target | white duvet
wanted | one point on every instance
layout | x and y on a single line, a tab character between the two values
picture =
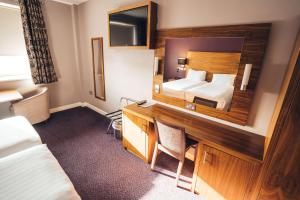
16	134
177	88
34	174
222	94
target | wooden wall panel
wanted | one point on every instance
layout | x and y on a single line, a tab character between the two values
280	175
282	180
255	42
213	62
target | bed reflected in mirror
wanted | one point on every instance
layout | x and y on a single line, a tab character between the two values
207	79
98	67
194	88
200	73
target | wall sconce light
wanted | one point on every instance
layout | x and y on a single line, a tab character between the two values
156	65
246	76
181	62
156	88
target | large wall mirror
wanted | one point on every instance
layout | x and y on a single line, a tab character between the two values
210	70
202	70
98	67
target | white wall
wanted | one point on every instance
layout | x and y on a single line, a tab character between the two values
58	18
129	72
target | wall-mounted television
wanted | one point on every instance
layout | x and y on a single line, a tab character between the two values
133	26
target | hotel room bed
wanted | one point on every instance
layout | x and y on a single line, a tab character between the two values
16	134
32	174
222	94
177	88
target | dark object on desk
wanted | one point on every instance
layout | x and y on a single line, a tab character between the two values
205	102
141	102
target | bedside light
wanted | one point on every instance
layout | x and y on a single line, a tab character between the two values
156	88
246	76
156	65
181	62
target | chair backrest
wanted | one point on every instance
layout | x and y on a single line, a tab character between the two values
170	137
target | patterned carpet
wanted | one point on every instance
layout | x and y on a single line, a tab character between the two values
100	168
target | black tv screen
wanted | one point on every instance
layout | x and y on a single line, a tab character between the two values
129	27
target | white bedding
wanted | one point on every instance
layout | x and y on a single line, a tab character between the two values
177	88
222	94
16	134
34	174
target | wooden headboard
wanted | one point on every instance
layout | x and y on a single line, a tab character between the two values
213	62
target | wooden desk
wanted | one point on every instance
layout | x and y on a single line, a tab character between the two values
228	159
245	143
9	95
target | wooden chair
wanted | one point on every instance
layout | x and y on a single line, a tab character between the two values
172	141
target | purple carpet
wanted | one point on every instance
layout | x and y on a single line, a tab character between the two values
98	165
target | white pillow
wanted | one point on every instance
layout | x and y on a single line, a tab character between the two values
196	75
223	79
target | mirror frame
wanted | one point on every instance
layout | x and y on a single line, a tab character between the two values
256	38
100	39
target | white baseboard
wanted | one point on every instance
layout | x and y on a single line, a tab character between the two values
78	104
65	107
94	108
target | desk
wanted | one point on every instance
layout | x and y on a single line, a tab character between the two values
9	95
228	159
243	142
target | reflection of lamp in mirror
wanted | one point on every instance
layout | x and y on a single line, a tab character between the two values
246	76
156	65
181	62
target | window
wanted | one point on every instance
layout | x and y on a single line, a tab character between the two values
14	64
